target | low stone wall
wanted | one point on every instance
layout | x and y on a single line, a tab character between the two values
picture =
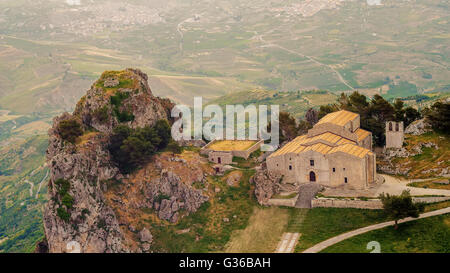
346	203
282	202
430	199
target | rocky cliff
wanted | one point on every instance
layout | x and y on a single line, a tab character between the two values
84	180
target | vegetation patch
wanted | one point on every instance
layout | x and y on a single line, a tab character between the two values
320	224
70	130
211	227
64	199
101	114
131	148
421	236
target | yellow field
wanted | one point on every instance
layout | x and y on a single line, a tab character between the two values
232	145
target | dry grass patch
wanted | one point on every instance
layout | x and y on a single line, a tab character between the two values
264	231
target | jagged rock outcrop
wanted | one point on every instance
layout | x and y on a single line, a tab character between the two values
80	172
85	168
267	184
418	127
103	104
167	194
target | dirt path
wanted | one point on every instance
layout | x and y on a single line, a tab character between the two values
321	246
40	184
31	187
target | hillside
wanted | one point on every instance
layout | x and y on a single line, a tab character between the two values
422	156
212	48
115	185
296	103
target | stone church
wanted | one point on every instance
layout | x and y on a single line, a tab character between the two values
335	152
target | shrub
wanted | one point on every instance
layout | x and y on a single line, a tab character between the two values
174	148
161	197
123	116
63	186
63	214
69	130
118	98
101	114
67	201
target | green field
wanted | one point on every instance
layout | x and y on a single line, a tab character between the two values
429	235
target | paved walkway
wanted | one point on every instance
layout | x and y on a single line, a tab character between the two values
395	186
321	246
392	185
287	243
306	193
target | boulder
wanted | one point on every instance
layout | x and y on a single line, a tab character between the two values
267	184
145	236
418	127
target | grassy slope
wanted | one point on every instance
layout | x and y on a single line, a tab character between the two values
424	235
21	214
208	232
296	103
430	158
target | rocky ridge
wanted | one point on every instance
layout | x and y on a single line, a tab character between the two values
82	173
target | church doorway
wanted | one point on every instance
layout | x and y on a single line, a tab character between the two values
312	177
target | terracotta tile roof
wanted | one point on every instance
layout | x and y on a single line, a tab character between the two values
339	118
361	134
333	142
300	145
329	137
352	150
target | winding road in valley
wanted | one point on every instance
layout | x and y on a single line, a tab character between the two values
341	79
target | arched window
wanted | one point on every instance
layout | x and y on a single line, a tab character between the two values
396	127
390	126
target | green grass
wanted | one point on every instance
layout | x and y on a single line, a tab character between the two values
319	224
424	235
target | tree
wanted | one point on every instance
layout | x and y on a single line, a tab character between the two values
326	109
399	112
288	127
312	116
69	130
130	148
162	127
439	116
381	109
411	115
401	206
